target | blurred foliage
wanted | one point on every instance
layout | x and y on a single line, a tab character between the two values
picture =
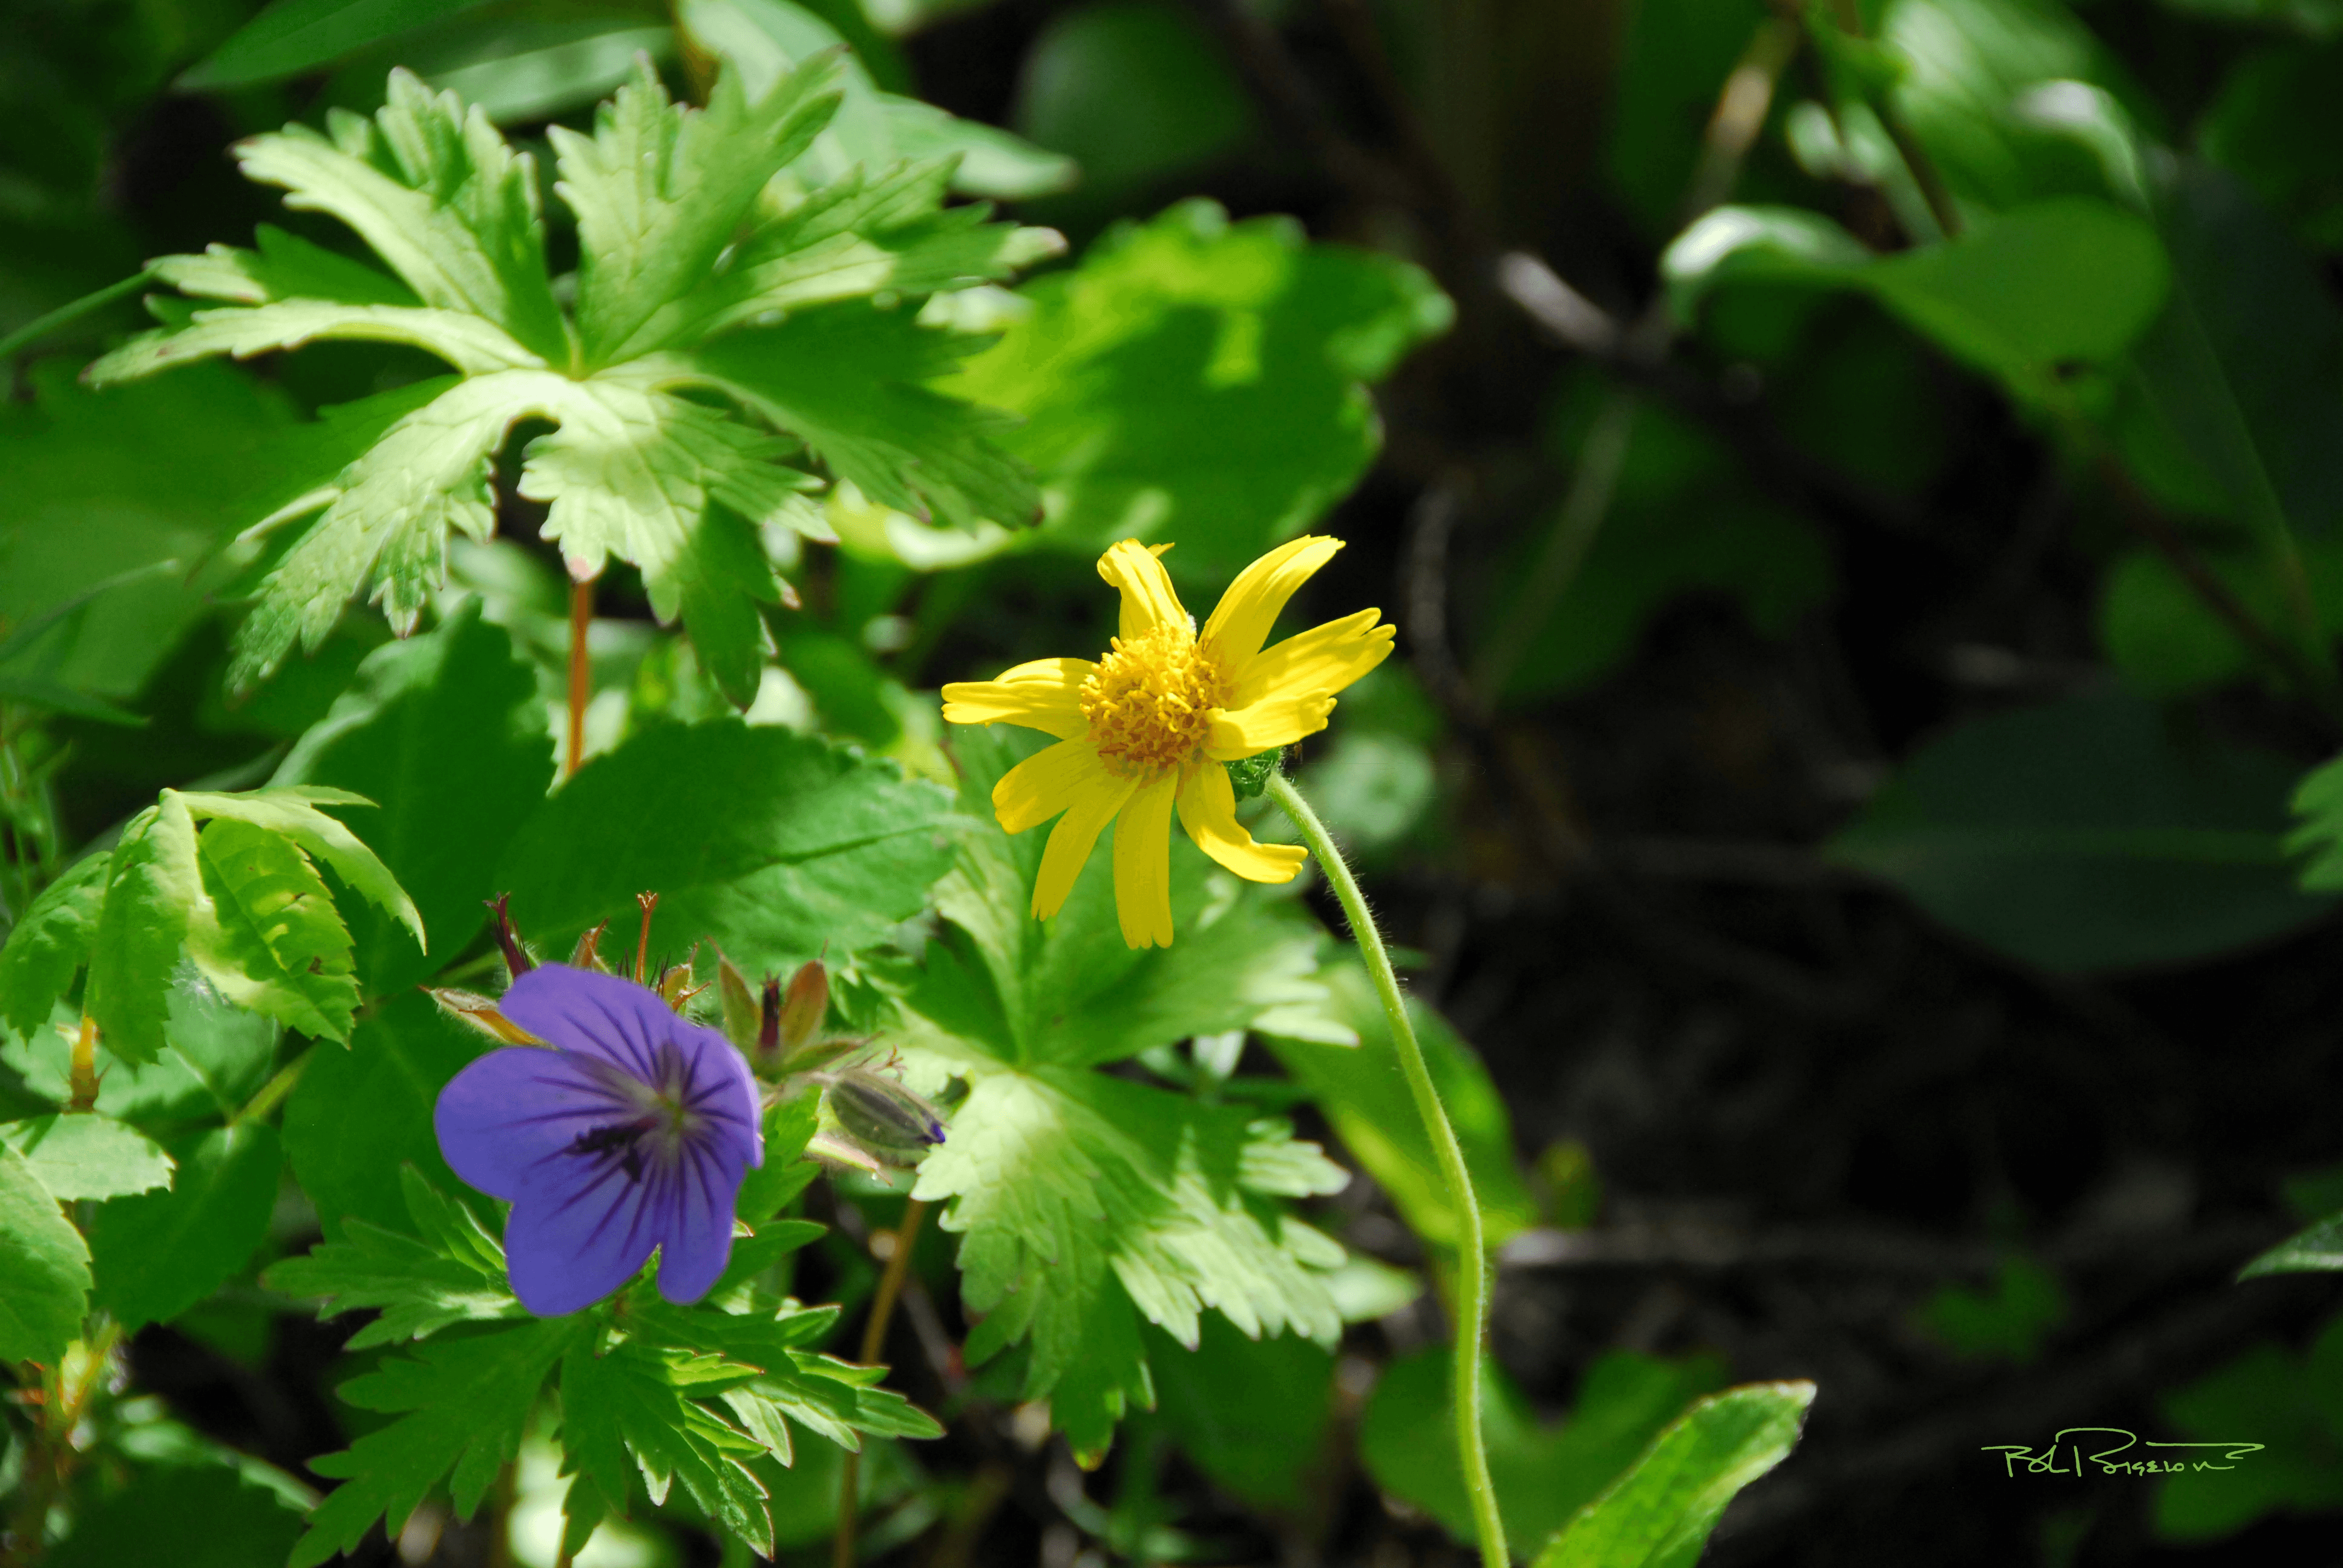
1977	363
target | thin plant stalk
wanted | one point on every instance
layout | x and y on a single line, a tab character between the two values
581	673
874	1341
1471	1309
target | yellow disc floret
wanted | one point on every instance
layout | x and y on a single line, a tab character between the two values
1150	701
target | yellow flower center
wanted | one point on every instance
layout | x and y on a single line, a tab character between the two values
1150	701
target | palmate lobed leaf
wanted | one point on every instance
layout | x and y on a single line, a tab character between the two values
461	1406
692	254
1084	1201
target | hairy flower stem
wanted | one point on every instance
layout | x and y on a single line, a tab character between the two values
1471	1255
874	1341
581	673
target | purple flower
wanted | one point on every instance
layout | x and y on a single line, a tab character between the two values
632	1133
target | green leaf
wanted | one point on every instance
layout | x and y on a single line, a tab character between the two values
215	1057
1542	1474
291	811
986	160
1203	381
852	381
2276	108
1660	1513
1134	91
449	731
767	1373
544	69
2280	1407
759	40
2158	630
629	1410
471	345
44	1268
2019	295
87	1156
1085	1201
858	236
210	446
461	1406
661	189
154	887
296	35
2087	835
218	1518
159	1253
454	1276
398	1058
275	942
1961	67
1365	1098
632	470
437	193
774	845
2318	1250
1251	1413
2009	1323
1088	1201
50	943
2238	386
282	266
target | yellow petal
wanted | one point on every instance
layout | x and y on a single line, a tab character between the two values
1241	621
1272	721
1042	695
1047	782
1321	661
1070	840
1143	864
1208	809
1148	600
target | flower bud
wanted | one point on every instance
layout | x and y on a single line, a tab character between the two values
884	1117
804	1008
482	1014
741	1013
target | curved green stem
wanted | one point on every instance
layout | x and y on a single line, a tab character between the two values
1471	1255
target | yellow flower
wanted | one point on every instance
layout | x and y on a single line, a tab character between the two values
1143	731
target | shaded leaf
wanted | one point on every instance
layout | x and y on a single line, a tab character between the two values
158	1253
2087	835
44	1268
461	1405
448	731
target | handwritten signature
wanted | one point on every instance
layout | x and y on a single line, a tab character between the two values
2116	1452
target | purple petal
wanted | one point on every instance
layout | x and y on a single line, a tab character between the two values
504	1116
720	1090
596	1015
698	1242
567	1250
